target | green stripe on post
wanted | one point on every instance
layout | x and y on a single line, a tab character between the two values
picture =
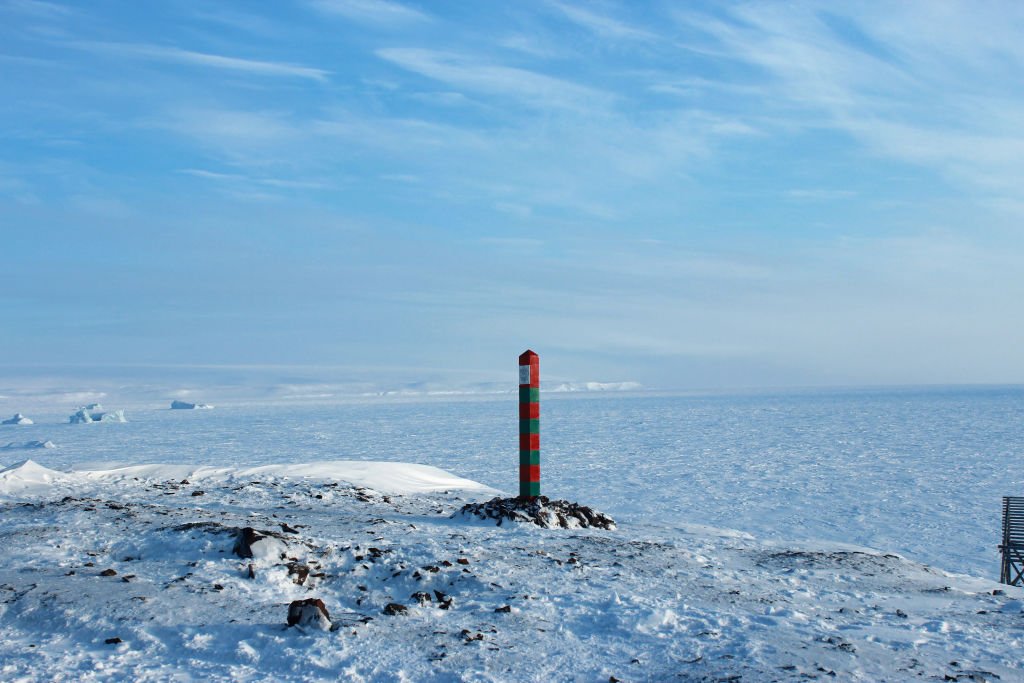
529	395
529	426
529	457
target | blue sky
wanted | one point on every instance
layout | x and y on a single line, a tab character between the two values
681	194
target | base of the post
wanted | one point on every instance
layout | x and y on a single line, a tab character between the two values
539	510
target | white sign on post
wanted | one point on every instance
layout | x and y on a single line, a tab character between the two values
524	374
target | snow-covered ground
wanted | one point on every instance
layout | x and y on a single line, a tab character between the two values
732	556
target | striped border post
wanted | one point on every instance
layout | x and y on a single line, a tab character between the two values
529	425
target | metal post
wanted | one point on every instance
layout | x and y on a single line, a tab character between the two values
529	425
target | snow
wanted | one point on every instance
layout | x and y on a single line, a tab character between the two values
526	603
385	477
759	538
185	405
18	419
27	476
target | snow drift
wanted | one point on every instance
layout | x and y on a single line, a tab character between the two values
384	477
27	476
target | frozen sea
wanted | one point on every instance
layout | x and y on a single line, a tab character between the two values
919	472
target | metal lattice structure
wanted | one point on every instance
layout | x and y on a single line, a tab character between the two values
1012	546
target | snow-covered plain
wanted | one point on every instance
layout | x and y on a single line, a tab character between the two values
737	554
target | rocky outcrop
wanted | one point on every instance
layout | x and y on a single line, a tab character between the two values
541	511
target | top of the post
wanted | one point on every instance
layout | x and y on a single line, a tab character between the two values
526	357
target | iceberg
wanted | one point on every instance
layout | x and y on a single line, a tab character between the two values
185	405
94	413
18	419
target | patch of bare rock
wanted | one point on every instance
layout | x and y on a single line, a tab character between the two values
542	511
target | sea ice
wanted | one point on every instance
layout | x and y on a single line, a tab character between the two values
18	419
29	444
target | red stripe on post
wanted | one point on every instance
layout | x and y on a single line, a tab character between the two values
529	411
529	442
529	473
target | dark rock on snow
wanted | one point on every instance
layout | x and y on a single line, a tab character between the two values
541	511
298	571
393	609
248	537
443	600
309	612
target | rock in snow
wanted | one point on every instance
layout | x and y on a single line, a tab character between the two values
540	511
94	413
255	544
393	609
309	612
184	405
18	419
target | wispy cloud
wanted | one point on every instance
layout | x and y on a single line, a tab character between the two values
529	88
928	90
283	183
819	194
240	21
371	11
176	55
251	139
38	8
531	45
601	24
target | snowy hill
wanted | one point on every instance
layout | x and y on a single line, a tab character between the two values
132	573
